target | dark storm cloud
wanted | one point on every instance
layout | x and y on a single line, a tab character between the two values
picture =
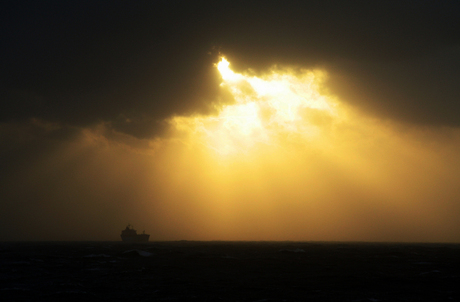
134	63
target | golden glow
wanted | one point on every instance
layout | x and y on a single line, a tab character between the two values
284	159
277	106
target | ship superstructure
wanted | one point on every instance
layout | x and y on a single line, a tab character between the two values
130	235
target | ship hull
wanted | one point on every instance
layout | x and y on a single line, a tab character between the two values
137	238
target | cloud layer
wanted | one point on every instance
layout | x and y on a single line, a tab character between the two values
135	64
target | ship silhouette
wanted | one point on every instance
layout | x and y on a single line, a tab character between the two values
130	235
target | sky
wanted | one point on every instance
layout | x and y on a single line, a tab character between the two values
230	120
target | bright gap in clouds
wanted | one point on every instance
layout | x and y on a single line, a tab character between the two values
266	110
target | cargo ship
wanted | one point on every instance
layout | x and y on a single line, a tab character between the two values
130	235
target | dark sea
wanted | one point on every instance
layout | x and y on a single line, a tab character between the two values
228	271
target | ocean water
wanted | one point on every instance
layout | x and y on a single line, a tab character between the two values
228	271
